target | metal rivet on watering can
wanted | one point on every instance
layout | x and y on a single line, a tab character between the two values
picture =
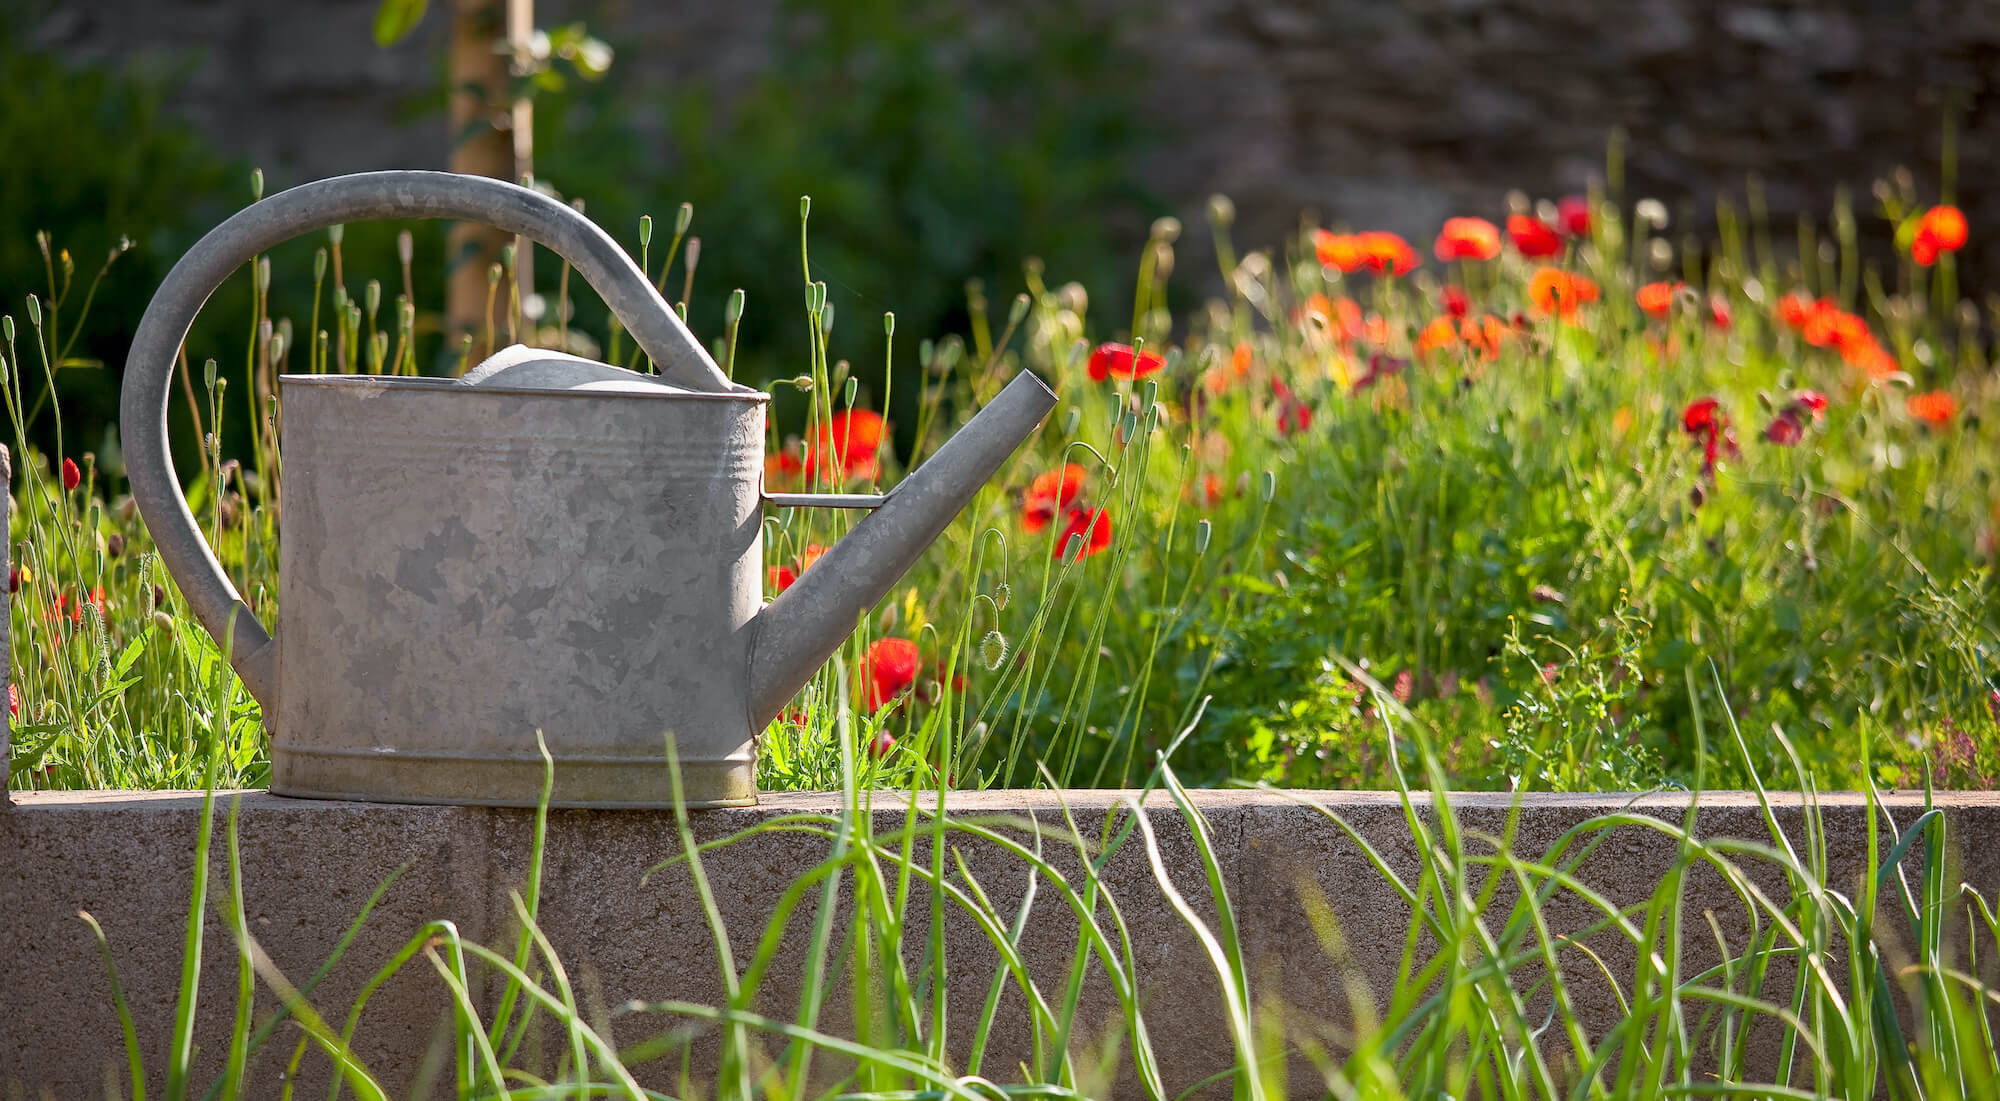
545	544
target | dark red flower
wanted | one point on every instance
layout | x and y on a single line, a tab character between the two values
13	700
1533	238
881	745
71	476
1811	400
1090	529
1573	215
1784	429
1456	302
1122	361
889	667
1049	496
1295	415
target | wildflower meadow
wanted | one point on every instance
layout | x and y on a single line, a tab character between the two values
1558	484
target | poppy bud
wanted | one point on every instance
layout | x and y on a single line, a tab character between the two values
71	476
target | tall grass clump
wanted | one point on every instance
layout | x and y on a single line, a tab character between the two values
1523	971
1527	487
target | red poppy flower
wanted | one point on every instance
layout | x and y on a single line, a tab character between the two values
852	437
1784	429
1704	420
881	745
71	476
889	666
1555	291
1811	400
1467	239
779	578
1656	300
1795	310
1941	229
1533	238
1092	526
13	700
63	609
1293	416
1719	314
1935	408
1211	489
1700	416
1049	496
1121	361
1573	215
1456	302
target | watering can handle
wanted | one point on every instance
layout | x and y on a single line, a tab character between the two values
149	369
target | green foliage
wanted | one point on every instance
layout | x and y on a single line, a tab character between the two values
94	167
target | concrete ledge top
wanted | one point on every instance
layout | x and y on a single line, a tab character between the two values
1042	800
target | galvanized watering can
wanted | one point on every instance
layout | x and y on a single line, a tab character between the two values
547	544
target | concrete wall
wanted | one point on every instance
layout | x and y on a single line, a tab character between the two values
309	866
1395	113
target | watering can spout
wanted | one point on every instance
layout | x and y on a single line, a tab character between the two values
797	632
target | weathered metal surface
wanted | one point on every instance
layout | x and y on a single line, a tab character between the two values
550	544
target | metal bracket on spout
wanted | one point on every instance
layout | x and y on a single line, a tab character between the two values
827	500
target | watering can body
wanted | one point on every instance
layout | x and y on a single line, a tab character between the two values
549	548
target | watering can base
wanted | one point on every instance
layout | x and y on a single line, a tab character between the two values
448	779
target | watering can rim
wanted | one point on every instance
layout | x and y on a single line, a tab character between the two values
449	385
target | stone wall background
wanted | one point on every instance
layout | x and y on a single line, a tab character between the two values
1392	114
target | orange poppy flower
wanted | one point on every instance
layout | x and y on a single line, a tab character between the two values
1111	360
1941	229
1211	489
1441	333
782	469
1341	251
1795	310
1050	495
1467	239
1555	291
1239	359
1387	254
1533	238
1380	252
1656	300
1936	408
851	438
1090	529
